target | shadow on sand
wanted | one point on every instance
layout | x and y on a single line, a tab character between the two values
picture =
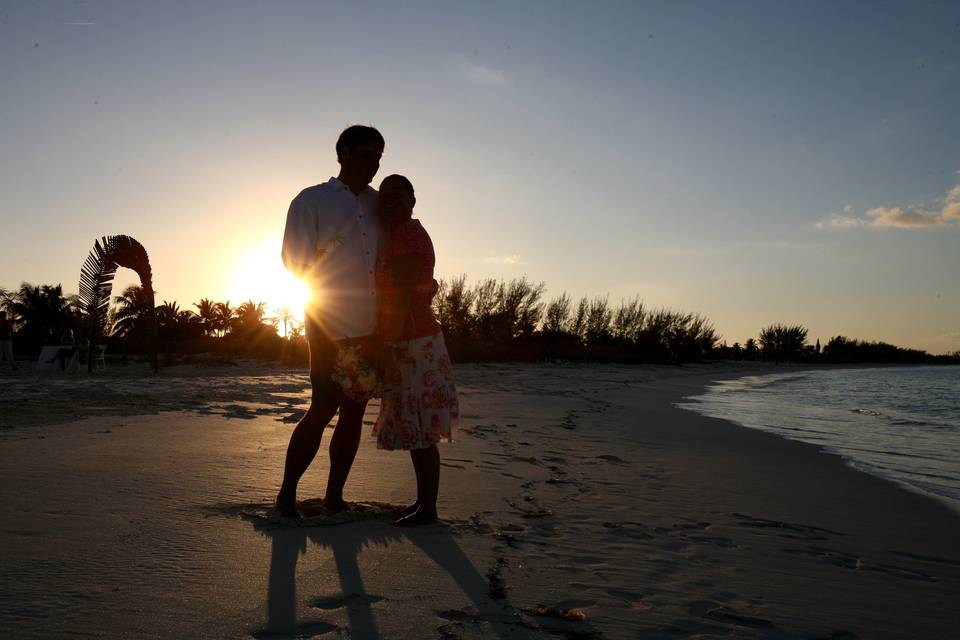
290	541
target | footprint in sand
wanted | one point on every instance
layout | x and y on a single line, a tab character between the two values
857	563
497	586
718	541
930	559
628	598
788	529
722	613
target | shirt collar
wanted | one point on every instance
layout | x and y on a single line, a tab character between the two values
340	186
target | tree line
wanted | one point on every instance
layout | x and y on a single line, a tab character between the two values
488	320
43	315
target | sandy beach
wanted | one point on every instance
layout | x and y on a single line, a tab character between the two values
579	502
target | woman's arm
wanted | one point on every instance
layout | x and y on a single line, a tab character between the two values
403	273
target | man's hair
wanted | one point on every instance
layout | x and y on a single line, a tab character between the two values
354	136
403	180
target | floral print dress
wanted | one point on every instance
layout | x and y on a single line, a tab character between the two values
419	407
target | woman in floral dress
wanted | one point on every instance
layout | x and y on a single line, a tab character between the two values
419	408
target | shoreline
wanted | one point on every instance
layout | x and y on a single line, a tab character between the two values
576	488
690	403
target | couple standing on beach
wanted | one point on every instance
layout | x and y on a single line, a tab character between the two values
369	265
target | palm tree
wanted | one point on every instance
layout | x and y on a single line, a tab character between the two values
208	315
287	318
168	315
250	313
133	313
175	323
42	312
96	283
188	324
224	317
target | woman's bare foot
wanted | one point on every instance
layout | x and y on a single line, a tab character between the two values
403	512
335	506
418	518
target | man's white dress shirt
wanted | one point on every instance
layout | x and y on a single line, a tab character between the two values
331	241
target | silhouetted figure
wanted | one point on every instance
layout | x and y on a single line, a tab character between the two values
331	242
6	341
419	407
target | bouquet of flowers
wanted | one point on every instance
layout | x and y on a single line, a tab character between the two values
356	375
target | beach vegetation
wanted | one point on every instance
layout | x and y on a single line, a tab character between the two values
96	284
782	342
40	314
508	320
843	349
489	320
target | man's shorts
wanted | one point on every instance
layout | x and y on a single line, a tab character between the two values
323	354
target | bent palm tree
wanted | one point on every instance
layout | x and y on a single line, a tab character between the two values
96	283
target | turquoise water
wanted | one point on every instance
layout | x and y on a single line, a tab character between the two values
899	423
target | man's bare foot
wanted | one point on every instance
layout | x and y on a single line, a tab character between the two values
418	518
335	506
403	512
286	509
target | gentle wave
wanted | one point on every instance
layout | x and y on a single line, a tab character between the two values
899	423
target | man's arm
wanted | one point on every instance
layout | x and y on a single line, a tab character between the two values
299	239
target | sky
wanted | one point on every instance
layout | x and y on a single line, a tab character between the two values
756	162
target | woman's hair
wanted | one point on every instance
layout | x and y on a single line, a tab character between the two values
354	136
403	180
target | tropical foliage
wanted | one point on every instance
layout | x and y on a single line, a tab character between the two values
487	320
96	283
508	320
782	342
41	313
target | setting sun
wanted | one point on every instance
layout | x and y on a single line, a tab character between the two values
260	276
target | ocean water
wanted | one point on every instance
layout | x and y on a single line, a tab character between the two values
899	423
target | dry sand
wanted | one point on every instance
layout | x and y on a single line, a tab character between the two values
578	503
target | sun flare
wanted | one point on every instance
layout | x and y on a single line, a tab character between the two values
260	276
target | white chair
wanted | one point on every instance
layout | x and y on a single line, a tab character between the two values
99	358
47	360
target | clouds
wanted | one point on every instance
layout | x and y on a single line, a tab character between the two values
899	218
485	75
478	73
512	259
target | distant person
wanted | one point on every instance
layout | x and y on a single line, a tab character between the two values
331	241
419	408
6	341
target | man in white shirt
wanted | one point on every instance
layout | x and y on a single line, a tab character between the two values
330	241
